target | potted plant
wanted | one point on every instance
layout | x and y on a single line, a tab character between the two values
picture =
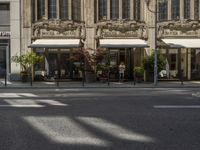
27	61
149	65
139	73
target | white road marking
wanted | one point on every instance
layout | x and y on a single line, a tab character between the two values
176	106
115	130
31	103
16	95
64	130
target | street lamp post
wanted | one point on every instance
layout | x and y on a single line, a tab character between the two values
155	11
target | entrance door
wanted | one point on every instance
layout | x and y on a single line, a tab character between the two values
2	62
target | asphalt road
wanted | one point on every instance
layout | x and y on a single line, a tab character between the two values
100	119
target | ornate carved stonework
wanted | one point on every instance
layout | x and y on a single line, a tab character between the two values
121	29
58	29
184	28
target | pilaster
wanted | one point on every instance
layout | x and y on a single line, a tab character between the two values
70	9
46	9
58	8
131	9
120	9
108	9
181	9
169	10
192	9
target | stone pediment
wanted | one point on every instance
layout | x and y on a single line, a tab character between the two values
179	28
58	29
121	29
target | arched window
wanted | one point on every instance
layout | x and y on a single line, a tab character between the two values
114	9
187	9
41	8
175	9
163	11
102	9
52	9
64	10
196	9
76	10
137	9
126	9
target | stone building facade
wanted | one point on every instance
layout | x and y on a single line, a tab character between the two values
57	29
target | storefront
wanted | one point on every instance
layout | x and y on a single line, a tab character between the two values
129	52
60	59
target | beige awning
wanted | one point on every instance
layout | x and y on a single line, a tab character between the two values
56	43
182	43
122	43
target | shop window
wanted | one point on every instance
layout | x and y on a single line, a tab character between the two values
173	62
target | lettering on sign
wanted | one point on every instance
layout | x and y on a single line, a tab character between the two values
4	33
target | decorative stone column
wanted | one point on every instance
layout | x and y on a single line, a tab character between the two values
192	9
36	10
108	9
26	28
70	9
120	9
58	8
46	9
169	10
181	9
131	9
142	10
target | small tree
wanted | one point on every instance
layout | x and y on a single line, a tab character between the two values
149	63
27	60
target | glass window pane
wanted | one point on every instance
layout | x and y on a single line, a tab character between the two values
102	9
76	10
175	9
64	9
137	9
52	9
163	13
186	9
196	9
114	9
126	9
41	8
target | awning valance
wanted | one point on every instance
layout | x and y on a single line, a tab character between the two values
56	43
182	43
122	43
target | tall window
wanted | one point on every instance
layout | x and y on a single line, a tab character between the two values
64	10
114	4
52	9
33	10
76	10
196	9
162	9
41	8
126	9
137	9
102	9
175	9
187	9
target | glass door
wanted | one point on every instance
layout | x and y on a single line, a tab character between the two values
2	62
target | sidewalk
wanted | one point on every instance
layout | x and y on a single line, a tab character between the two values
161	84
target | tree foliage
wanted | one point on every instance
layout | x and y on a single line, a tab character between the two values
27	60
149	63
